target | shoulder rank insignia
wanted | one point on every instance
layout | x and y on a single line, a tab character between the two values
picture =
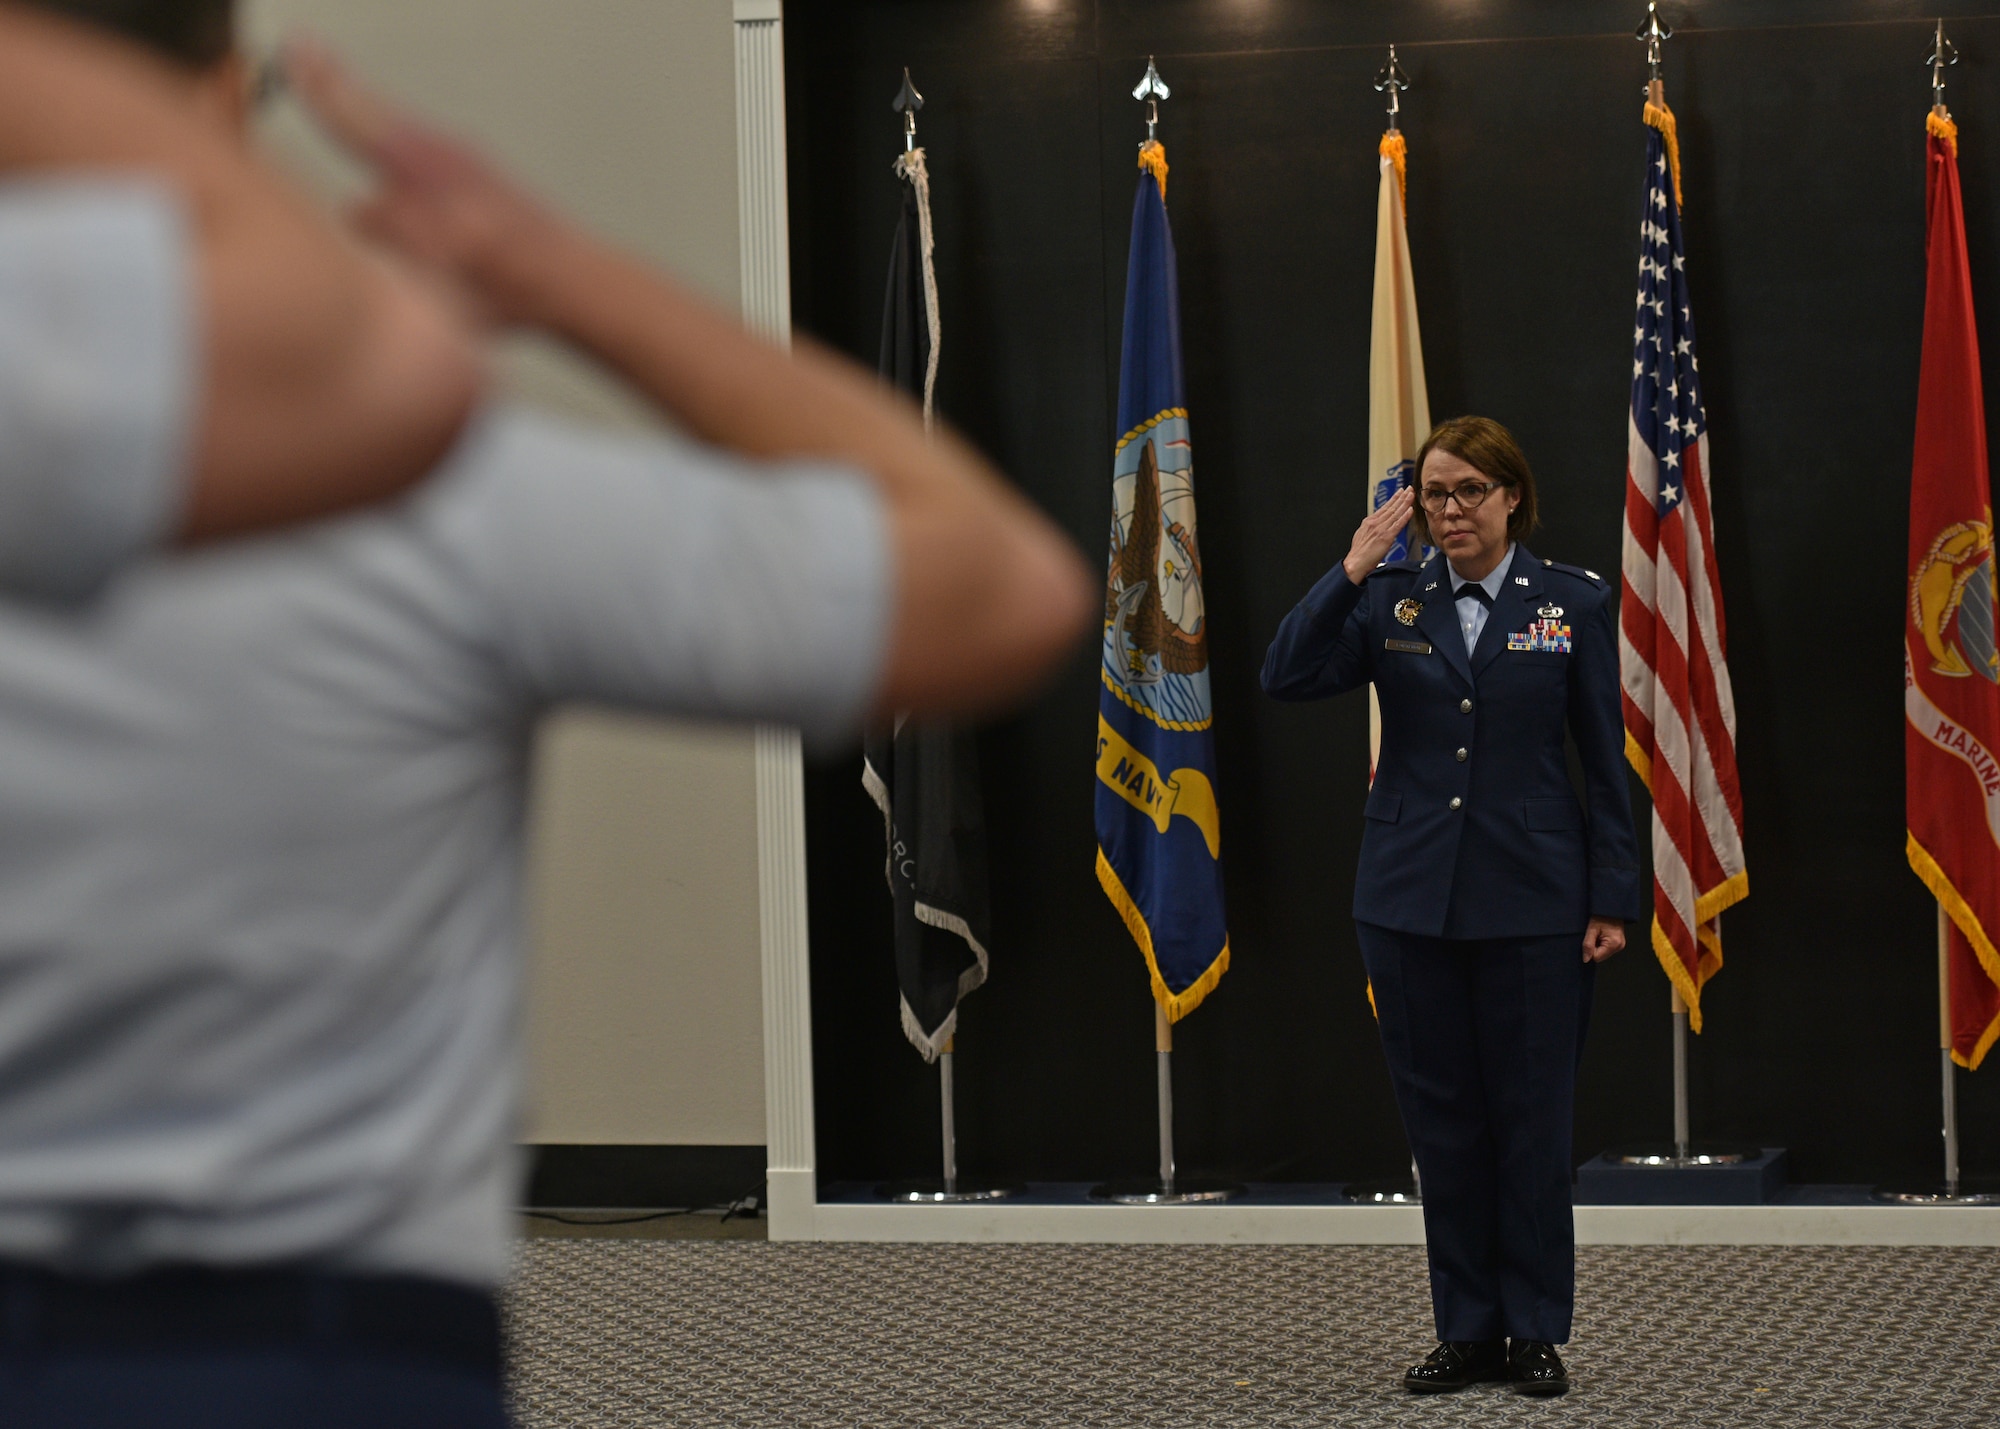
1407	610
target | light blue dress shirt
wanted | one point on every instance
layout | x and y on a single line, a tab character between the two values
99	367
262	812
1471	611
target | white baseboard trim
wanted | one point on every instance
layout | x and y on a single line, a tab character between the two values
791	1205
1388	1225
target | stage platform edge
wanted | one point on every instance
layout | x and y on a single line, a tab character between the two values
1061	1214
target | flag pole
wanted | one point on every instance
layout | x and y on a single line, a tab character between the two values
1163	1046
945	1099
1684	1155
950	1189
1682	1149
1169	1188
1950	1070
1952	1192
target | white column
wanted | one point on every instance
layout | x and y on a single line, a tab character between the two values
781	830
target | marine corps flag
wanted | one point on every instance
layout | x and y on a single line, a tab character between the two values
1951	667
1159	835
925	778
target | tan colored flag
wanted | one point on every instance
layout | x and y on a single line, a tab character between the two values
1399	406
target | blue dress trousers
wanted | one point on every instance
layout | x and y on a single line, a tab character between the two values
1479	871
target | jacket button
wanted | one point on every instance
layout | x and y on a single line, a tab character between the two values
1465	706
1455	803
1461	756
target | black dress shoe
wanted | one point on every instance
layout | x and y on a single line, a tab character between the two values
1456	1363
1536	1368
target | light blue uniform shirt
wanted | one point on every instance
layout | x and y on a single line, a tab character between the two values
261	819
98	362
1471	612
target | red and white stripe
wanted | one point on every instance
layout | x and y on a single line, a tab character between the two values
1680	716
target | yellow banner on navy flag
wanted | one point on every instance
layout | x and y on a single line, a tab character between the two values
1139	782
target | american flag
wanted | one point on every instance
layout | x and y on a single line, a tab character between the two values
1680	717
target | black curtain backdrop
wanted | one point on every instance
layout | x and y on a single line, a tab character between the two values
1801	128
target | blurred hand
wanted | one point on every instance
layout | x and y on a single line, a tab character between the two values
1377	535
439	203
1602	938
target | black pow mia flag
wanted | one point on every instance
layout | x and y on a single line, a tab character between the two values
925	777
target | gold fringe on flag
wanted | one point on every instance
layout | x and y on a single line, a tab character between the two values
1939	122
1176	1005
1153	159
1960	912
1662	118
1396	151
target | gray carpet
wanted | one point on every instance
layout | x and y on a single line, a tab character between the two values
608	1333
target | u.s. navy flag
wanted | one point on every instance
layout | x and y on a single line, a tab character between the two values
925	778
1951	665
1159	833
1680	715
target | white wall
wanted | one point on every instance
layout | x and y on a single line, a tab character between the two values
644	1022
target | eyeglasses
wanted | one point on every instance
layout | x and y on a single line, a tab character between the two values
1468	495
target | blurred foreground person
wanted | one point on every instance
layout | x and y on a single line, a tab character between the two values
261	812
186	350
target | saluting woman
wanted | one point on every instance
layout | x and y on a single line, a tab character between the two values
1486	893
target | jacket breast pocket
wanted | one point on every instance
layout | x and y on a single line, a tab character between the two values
1383	807
1549	816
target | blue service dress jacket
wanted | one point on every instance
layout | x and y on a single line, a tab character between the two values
1473	829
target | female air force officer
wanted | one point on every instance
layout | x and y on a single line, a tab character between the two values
1485	892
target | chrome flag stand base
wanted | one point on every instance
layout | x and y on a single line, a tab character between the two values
1388	1193
949	1191
1384	1193
934	1193
1683	1155
1952	1192
1166	1189
1146	1191
1936	1196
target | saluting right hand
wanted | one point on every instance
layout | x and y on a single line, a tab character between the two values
1376	537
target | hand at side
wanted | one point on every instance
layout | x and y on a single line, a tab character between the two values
1602	938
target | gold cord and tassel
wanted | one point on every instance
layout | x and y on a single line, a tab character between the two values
1153	159
1662	118
1938	123
1396	151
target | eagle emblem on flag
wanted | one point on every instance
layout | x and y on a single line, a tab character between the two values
1951	600
1155	630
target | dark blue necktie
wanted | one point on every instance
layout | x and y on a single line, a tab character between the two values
1476	591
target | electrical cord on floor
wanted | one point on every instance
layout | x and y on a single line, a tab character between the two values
743	1206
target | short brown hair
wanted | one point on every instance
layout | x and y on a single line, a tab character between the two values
1490	449
192	33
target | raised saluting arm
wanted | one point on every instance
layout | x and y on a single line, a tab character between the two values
1322	647
318	378
989	594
